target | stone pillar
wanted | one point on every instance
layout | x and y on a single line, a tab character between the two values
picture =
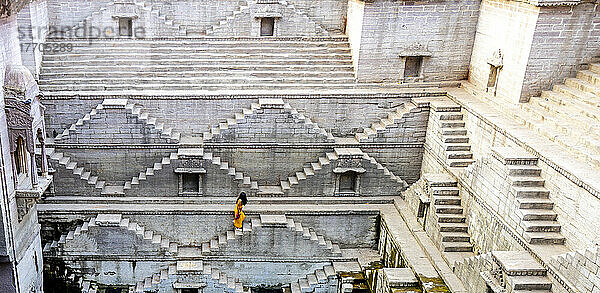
43	159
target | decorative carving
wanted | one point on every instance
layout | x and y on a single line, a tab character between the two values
496	59
24	205
195	163
19	123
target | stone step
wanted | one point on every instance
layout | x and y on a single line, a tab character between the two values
541	226
455	139
526	181
456	246
445	191
449	209
524	170
66	90
531	192
530	283
212	54
451	218
198	62
457	147
163	69
454	237
446	200
538	215
460	162
454	227
459	155
545	238
196	80
535	203
195	74
454	131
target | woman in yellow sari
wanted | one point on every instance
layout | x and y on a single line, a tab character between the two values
238	220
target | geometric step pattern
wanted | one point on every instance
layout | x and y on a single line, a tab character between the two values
162	243
60	160
138	180
229	284
242	180
535	208
107	66
316	281
315	168
253	122
446	202
569	114
85	128
397	117
242	8
454	136
235	237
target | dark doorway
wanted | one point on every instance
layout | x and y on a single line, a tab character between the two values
190	291
412	67
348	182
267	26
191	183
125	27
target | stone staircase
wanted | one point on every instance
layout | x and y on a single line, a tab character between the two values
521	273
319	29
243	7
242	180
535	209
446	202
114	220
453	135
569	114
316	281
392	118
59	160
216	132
229	284
233	237
166	135
314	168
143	176
123	67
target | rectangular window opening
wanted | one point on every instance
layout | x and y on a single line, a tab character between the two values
412	66
493	78
267	26
191	183
348	182
125	27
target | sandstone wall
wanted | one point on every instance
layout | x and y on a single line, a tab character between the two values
580	268
442	32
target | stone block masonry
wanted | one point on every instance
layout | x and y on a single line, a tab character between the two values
447	30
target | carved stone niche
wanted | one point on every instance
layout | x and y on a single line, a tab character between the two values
348	172
190	171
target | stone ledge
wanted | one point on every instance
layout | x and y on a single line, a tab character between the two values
513	156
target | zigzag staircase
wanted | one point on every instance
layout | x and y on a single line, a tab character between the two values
59	160
138	180
163	243
320	277
216	131
156	127
146	6
242	180
229	284
315	167
242	7
233	237
320	30
395	117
